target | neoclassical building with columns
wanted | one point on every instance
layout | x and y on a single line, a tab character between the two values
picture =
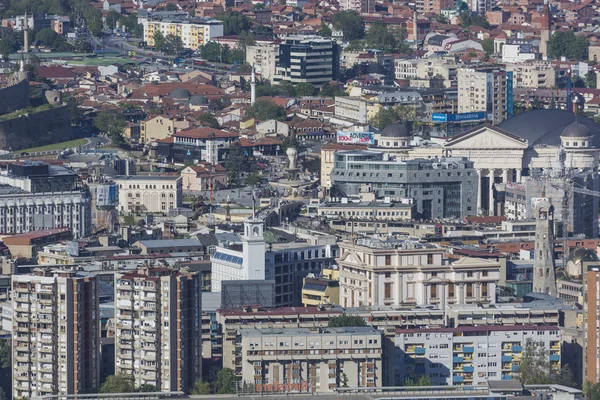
529	143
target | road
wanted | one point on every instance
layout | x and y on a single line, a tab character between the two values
95	141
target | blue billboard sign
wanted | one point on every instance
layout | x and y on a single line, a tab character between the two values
474	116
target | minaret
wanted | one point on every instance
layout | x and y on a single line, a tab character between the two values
253	88
26	34
415	31
544	279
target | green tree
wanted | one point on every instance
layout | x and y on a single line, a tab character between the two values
331	90
238	55
344	380
226	381
201	388
437	82
210	119
171	7
535	364
442	19
49	37
305	89
591	390
112	123
130	23
147	388
355	45
246	38
117	384
211	51
383	118
5	353
313	165
252	179
567	44
381	37
75	113
325	30
590	79
350	23
237	160
159	40
2	394
112	18
82	45
173	44
422	381
234	22
264	110
488	46
467	18
345	320
284	89
8	44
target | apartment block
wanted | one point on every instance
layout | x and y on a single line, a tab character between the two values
194	32
483	90
262	56
360	6
55	334
310	360
433	6
158	327
532	76
375	272
470	355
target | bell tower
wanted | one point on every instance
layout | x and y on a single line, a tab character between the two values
544	279
253	248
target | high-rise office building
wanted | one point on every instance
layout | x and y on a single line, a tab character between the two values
483	90
307	59
158	321
55	334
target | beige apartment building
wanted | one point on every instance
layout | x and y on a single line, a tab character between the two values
149	193
310	360
375	272
532	76
446	67
55	334
158	327
263	56
483	90
159	128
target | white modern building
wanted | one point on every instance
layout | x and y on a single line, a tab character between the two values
55	346
285	262
375	272
230	264
262	56
483	90
149	193
470	355
158	327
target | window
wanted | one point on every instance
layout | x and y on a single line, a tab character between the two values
429	259
451	290
387	290
388	260
433	291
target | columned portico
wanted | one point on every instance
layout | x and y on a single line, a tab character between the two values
519	171
491	174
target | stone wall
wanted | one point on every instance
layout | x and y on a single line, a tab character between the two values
14	97
38	129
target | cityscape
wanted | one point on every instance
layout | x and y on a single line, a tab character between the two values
334	199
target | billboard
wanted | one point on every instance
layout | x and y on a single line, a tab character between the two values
474	116
367	138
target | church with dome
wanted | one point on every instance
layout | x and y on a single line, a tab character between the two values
533	144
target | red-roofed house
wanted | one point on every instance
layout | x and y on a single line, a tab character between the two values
199	177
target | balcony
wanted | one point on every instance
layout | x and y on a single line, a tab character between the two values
458	379
420	350
458	359
507	358
554	357
468	349
517	349
469	368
